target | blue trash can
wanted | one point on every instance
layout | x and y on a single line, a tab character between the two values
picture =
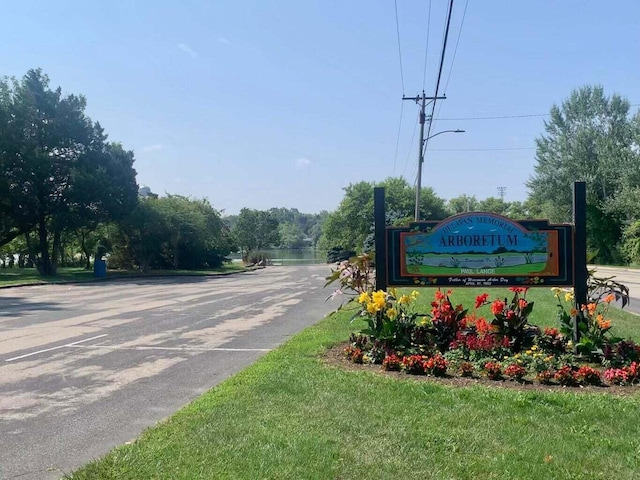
99	268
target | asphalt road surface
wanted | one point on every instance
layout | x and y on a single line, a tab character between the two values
86	367
627	276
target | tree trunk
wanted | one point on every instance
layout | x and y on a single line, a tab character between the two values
55	253
85	250
44	262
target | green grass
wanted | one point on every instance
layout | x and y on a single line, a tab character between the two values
291	416
28	276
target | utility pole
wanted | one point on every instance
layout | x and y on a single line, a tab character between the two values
421	100
502	192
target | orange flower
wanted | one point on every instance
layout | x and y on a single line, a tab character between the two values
590	308
610	298
497	307
574	312
602	323
482	326
522	303
439	295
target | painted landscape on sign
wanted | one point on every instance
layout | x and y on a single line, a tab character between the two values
476	244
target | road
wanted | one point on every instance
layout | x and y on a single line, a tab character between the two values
86	367
627	276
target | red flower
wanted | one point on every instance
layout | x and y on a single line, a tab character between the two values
519	289
522	303
439	295
481	300
497	307
551	332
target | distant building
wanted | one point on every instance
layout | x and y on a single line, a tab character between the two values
145	192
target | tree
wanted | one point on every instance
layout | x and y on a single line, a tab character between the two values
589	137
463	203
59	172
350	225
255	230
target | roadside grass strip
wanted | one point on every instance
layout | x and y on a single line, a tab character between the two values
293	416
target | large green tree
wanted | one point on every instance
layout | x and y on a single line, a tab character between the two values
59	171
589	137
255	230
351	223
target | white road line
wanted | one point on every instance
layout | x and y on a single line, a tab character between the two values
73	344
179	349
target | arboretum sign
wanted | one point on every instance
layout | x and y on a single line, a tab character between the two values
480	249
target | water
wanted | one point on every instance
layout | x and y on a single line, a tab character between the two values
297	256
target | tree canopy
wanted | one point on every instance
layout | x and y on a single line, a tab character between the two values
59	171
594	138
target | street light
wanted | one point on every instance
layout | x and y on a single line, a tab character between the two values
420	162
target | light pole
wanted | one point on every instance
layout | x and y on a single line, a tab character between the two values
420	162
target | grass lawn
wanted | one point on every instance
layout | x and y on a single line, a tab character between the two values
291	416
25	276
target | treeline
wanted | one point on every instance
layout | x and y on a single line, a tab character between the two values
256	230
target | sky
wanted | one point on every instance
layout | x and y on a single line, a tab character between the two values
284	103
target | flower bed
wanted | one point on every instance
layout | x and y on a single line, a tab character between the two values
493	340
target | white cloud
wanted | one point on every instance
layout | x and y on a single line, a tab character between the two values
224	40
187	49
302	162
152	148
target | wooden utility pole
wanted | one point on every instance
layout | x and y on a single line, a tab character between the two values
422	101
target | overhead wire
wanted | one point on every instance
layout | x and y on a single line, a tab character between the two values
395	157
399	48
426	50
453	59
444	49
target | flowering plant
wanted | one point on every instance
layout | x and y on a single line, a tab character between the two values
355	276
493	370
593	324
515	372
446	320
390	319
511	319
436	366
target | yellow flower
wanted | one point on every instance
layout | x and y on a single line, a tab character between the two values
415	294
371	308
393	292
556	291
404	300
392	313
363	298
568	297
535	347
379	299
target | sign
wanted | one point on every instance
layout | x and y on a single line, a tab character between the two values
480	249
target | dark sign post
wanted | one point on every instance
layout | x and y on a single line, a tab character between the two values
379	232
581	275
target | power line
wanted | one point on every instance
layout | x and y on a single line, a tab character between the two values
503	117
479	149
444	49
455	50
453	59
395	157
426	50
399	49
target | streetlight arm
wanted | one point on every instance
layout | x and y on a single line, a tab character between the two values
444	131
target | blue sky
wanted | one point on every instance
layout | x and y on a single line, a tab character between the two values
283	103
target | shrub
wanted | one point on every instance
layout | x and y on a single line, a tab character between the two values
545	377
354	354
465	369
